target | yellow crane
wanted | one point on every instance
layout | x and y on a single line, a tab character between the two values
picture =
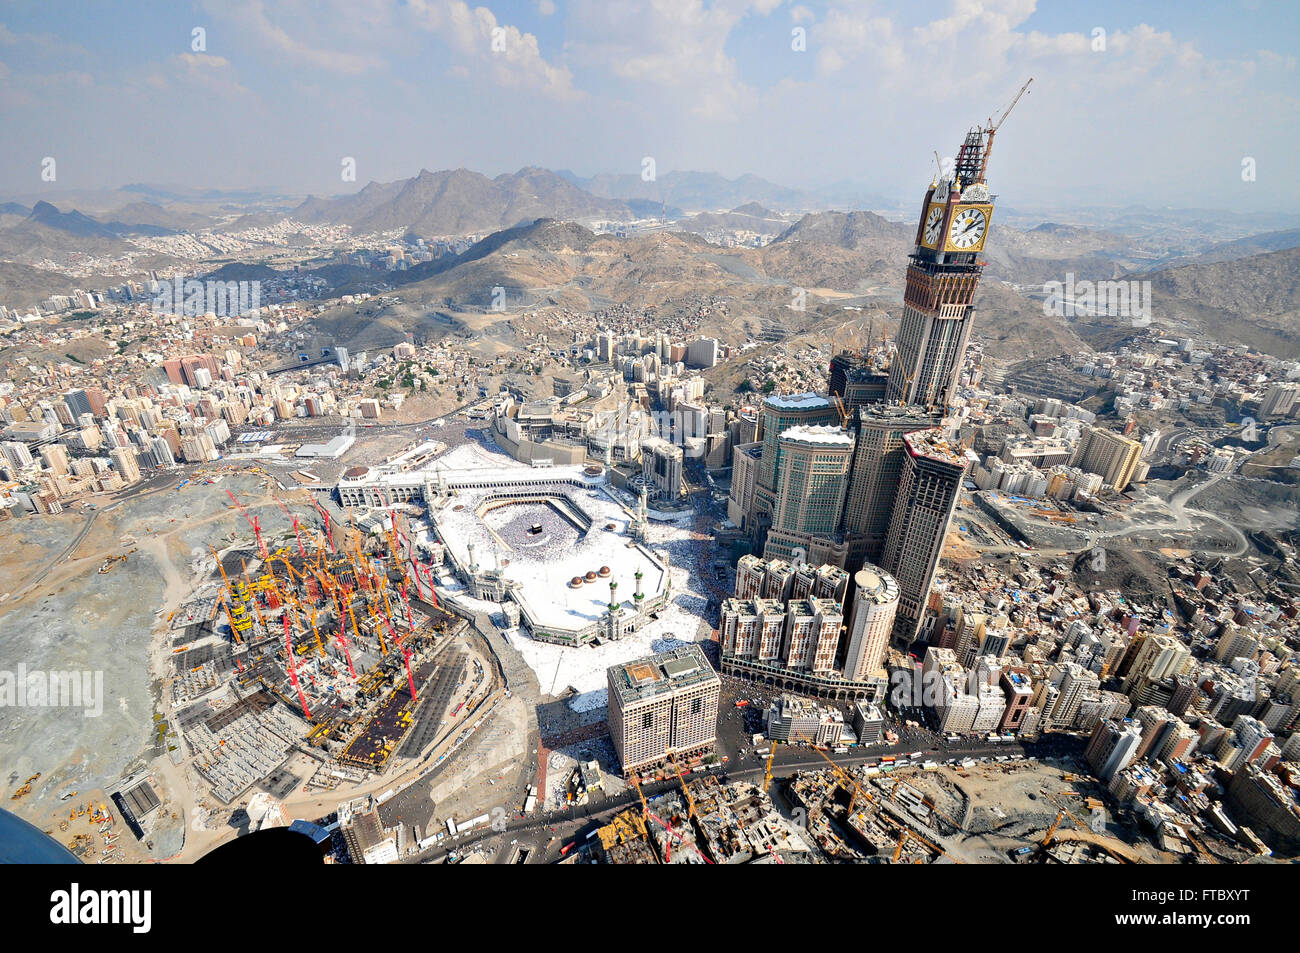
847	780
767	772
908	832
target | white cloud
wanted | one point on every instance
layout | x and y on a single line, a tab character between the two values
504	52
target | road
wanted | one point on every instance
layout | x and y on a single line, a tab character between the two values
546	831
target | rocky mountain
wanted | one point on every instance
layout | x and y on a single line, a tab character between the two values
459	201
551	264
22	286
1253	301
751	217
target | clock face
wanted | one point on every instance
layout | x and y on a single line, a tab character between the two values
968	227
933	221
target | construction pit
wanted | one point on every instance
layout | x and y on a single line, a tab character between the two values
981	813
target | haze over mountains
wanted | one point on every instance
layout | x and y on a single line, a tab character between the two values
539	247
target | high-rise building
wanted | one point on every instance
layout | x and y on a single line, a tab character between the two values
779	414
1111	456
1111	747
942	274
661	465
927	495
877	465
1280	400
854	381
124	460
663	704
55	457
810	486
812	635
871	621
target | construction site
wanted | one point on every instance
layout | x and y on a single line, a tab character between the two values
321	659
971	811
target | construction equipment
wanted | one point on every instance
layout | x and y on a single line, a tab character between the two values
252	521
767	771
686	791
908	832
993	127
26	788
847	781
296	531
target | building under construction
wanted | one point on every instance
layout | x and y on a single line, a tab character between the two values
334	629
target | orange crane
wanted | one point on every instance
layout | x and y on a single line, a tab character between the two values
767	772
847	781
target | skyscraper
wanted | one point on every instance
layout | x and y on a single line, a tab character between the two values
927	494
877	465
1111	456
871	620
810	488
779	414
853	381
663	704
942	275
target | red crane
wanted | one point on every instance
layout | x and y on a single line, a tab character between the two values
410	679
252	521
296	531
293	668
326	518
343	638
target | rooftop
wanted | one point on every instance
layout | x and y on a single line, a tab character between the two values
660	674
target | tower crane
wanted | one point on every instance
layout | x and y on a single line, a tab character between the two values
297	532
994	126
252	521
686	791
767	771
325	518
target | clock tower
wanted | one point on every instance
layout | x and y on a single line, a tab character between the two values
943	272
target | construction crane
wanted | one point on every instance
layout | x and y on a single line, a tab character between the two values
908	832
293	668
252	521
636	781
847	780
325	518
839	406
686	791
297	532
767	771
993	127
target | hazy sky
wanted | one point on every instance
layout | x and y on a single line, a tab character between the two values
1162	108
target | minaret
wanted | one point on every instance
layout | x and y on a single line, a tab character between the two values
473	564
613	596
639	594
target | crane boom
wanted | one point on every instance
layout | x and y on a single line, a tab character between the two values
994	126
